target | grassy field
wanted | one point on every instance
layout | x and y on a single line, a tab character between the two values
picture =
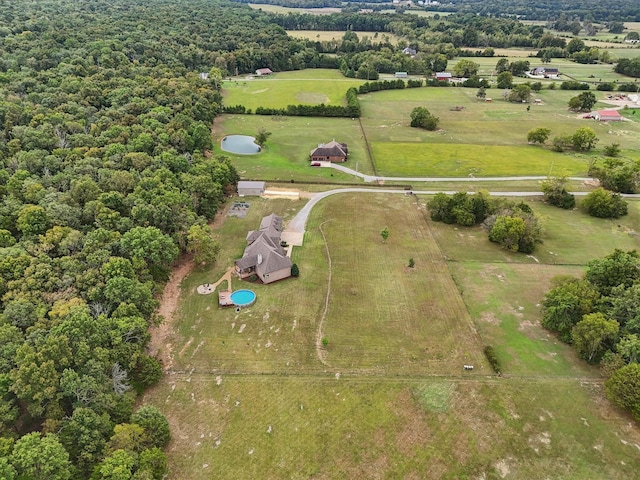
460	160
481	139
597	238
311	86
284	10
248	396
329	35
286	155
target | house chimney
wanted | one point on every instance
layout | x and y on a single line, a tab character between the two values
259	259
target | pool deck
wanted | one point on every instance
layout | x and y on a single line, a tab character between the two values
224	298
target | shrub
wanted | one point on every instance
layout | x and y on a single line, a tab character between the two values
491	357
411	263
295	271
602	203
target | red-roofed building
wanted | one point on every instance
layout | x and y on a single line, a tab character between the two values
608	116
263	71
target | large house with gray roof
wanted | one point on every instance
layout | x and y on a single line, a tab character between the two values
264	256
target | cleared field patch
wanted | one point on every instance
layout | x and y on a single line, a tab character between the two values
275	335
504	301
283	10
247	427
284	88
570	237
286	155
383	316
406	321
458	160
333	35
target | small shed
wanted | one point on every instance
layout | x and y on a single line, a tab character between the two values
250	189
263	71
443	76
401	75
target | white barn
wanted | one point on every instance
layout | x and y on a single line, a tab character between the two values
250	189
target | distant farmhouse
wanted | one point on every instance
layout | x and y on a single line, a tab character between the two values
409	51
264	256
546	72
261	72
443	76
402	75
330	152
607	116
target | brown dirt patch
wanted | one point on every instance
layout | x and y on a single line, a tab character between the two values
159	344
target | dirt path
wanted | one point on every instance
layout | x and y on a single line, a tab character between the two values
159	344
320	350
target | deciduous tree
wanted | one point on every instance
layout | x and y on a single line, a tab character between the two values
594	335
623	388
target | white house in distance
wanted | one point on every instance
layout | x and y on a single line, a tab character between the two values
261	72
607	116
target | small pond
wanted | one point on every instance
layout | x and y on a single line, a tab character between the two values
241	144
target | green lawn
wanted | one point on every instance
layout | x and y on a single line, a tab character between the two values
286	155
484	138
311	86
460	160
562	244
248	396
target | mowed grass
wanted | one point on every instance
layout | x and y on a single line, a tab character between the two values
246	427
311	87
383	316
468	141
459	160
405	322
286	155
247	396
571	237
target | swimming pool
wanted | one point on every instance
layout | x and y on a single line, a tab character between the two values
242	144
243	298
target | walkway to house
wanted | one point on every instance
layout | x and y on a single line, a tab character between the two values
208	288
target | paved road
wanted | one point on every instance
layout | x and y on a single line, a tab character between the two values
295	229
374	178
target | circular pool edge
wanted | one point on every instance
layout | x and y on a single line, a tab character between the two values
244	304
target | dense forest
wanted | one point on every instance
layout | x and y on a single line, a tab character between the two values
106	177
589	10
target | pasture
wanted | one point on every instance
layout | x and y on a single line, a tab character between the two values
336	36
286	155
478	138
311	87
249	397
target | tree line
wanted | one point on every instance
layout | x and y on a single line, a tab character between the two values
106	177
599	315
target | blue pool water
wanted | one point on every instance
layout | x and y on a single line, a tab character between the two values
243	298
242	144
